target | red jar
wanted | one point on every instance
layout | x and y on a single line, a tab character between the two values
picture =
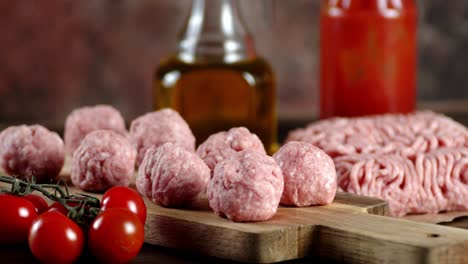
368	57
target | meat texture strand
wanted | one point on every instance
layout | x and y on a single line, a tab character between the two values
406	135
436	181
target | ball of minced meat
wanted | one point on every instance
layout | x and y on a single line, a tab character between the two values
172	176
159	127
31	151
104	159
84	120
246	187
309	175
222	145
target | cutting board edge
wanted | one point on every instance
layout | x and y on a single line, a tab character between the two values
257	253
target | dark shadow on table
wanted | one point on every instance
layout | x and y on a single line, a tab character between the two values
148	254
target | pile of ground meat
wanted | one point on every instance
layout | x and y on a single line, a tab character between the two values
433	182
417	162
407	135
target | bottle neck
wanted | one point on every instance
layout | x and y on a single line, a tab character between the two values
215	31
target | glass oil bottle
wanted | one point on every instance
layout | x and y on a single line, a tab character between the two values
216	80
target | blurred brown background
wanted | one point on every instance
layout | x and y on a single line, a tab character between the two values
56	55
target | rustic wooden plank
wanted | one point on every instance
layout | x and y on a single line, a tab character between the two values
331	232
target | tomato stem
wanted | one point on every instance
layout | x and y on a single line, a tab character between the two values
22	187
84	212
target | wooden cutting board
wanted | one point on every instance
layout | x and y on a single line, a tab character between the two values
352	229
341	231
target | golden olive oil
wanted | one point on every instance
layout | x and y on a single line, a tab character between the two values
214	96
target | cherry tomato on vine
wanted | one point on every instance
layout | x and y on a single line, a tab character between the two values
56	206
116	236
124	197
16	217
54	238
39	203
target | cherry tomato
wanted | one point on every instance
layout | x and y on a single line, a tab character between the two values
56	206
116	236
54	238
124	197
39	203
16	217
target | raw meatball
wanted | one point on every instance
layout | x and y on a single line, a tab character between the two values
84	120
31	151
246	187
224	144
309	175
104	159
172	176
156	128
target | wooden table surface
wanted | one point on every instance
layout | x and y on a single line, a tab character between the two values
148	254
